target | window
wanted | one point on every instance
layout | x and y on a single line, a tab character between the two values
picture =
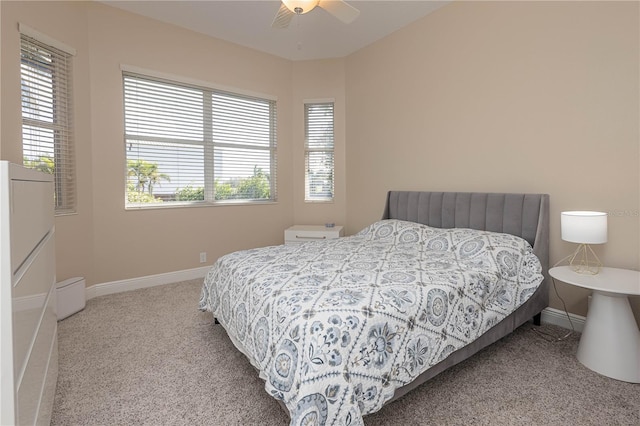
318	153
47	137
190	144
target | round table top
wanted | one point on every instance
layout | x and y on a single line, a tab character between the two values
610	280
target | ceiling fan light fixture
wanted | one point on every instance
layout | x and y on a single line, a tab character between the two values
300	6
290	8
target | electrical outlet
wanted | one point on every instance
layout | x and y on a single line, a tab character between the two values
203	257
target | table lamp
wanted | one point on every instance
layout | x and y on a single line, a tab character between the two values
584	228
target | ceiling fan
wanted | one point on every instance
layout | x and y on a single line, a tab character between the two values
290	8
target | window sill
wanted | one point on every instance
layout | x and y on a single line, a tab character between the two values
320	201
197	205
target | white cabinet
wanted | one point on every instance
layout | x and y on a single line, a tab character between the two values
28	320
302	233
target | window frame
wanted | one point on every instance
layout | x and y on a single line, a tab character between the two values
60	105
208	142
308	151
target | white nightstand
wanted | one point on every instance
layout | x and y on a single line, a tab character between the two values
610	342
302	233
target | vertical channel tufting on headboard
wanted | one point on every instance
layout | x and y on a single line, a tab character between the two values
517	214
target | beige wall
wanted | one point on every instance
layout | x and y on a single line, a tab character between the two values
103	242
504	97
319	80
137	243
74	233
478	96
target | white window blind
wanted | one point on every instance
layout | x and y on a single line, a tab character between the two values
190	144
319	151
47	137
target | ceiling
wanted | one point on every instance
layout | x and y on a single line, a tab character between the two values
314	35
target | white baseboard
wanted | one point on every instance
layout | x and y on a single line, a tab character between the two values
144	282
559	317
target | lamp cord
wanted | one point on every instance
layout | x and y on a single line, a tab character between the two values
550	337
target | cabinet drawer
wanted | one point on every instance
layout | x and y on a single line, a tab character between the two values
303	233
31	217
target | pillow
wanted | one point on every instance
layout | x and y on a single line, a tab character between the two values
396	231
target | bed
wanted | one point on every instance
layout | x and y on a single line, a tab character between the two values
339	328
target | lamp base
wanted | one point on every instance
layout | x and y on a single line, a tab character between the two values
584	261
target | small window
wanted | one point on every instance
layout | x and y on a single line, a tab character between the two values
188	144
318	153
47	136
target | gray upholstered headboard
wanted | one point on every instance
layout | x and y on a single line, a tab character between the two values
524	215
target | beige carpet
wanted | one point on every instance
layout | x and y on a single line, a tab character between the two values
149	357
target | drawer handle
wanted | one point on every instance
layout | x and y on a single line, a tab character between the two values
312	238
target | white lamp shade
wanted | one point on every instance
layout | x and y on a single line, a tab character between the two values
584	227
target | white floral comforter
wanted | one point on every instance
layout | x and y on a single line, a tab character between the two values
336	326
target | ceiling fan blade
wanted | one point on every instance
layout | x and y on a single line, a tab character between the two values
283	17
341	10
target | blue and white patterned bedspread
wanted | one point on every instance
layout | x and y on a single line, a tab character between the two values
334	327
